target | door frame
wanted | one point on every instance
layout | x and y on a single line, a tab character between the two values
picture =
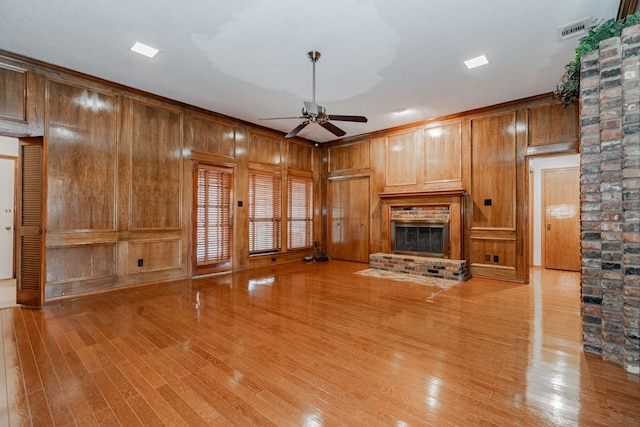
537	163
219	267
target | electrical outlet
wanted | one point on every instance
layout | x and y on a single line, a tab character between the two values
273	259
487	258
140	262
496	258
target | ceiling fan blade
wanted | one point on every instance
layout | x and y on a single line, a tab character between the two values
360	119
297	129
281	118
333	129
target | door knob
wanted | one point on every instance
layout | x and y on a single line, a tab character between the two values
548	226
8	227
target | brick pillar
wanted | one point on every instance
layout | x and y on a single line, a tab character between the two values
631	195
610	194
591	245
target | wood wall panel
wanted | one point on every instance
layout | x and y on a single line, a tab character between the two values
299	156
82	158
74	263
156	175
213	136
402	160
551	124
349	157
443	154
153	185
493	163
265	148
13	96
156	255
484	251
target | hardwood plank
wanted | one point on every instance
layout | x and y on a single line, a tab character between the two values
151	396
313	343
89	389
117	403
144	411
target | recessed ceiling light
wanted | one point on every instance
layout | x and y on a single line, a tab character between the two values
145	50
476	62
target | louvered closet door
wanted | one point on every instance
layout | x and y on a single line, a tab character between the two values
213	222
31	237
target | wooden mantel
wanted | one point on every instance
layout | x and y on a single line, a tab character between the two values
412	194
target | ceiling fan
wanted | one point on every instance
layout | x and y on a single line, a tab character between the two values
314	113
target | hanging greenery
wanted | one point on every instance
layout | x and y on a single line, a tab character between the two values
569	87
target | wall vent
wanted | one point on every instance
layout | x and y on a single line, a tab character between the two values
575	29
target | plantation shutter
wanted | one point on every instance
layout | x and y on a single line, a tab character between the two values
31	238
265	205
300	218
213	229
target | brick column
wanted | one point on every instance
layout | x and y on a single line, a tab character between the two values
610	194
631	195
591	245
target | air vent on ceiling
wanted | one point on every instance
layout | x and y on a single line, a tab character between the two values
574	29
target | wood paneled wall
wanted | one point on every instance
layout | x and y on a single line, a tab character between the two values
484	152
118	184
118	167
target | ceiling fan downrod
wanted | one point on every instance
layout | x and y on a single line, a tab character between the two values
313	56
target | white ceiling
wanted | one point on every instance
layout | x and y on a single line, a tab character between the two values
248	58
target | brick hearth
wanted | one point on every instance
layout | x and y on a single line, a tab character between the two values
449	269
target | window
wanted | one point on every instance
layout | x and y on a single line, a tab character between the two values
213	217
300	218
264	213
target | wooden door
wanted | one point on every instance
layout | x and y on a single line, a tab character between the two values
30	244
212	219
561	215
349	219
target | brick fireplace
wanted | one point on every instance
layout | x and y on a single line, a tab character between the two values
421	230
423	233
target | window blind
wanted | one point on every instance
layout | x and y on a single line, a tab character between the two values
300	213
213	230
265	206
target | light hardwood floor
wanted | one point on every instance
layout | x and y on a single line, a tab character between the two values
312	345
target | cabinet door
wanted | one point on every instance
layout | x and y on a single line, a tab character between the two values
349	219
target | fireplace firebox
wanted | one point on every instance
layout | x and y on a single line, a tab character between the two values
428	238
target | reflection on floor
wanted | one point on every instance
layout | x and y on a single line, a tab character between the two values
7	293
312	344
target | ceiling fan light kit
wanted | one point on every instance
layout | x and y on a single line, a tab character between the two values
314	113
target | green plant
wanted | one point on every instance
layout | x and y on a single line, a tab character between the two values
569	87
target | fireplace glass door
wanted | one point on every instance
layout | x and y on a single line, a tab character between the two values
420	238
